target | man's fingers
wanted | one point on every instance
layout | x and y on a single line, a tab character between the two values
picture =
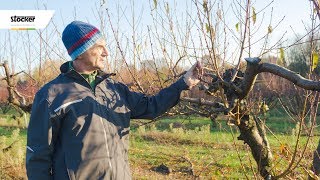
194	74
199	65
199	69
196	70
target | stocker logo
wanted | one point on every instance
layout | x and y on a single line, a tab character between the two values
23	18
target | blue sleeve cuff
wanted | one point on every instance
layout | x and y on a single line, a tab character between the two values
180	84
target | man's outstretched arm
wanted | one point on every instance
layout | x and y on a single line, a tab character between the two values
149	107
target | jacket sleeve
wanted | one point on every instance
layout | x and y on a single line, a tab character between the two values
39	140
149	107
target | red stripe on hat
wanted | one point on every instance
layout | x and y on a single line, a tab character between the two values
84	38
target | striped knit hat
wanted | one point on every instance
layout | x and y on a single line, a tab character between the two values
78	37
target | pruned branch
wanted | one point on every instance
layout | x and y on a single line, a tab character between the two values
12	99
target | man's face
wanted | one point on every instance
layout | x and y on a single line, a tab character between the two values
95	57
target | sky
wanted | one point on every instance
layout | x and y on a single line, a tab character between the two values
296	15
295	11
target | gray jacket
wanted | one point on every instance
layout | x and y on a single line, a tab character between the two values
77	133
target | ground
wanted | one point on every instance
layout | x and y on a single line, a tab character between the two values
184	148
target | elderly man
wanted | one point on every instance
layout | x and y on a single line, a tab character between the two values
79	125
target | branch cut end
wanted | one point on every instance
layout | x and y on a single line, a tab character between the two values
254	60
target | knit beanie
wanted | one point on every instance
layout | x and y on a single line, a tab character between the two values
78	37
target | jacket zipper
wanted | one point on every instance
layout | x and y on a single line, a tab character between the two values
105	138
104	129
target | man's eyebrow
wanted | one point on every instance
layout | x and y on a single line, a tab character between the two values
102	44
99	45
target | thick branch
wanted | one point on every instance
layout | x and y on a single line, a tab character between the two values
294	77
249	78
254	68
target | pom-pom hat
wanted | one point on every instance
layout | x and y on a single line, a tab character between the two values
78	37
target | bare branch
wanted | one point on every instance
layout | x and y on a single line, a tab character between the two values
13	92
254	68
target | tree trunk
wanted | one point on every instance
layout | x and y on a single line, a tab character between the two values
252	133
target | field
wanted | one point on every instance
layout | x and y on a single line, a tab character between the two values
183	148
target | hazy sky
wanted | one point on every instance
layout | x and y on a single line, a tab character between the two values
295	11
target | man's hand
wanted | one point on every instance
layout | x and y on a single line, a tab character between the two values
193	75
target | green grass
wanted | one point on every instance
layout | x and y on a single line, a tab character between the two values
7	131
277	121
213	155
185	143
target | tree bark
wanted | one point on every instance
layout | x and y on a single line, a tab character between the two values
252	133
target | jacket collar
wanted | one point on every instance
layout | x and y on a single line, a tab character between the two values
65	70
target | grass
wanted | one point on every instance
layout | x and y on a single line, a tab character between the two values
190	147
12	153
207	160
210	154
